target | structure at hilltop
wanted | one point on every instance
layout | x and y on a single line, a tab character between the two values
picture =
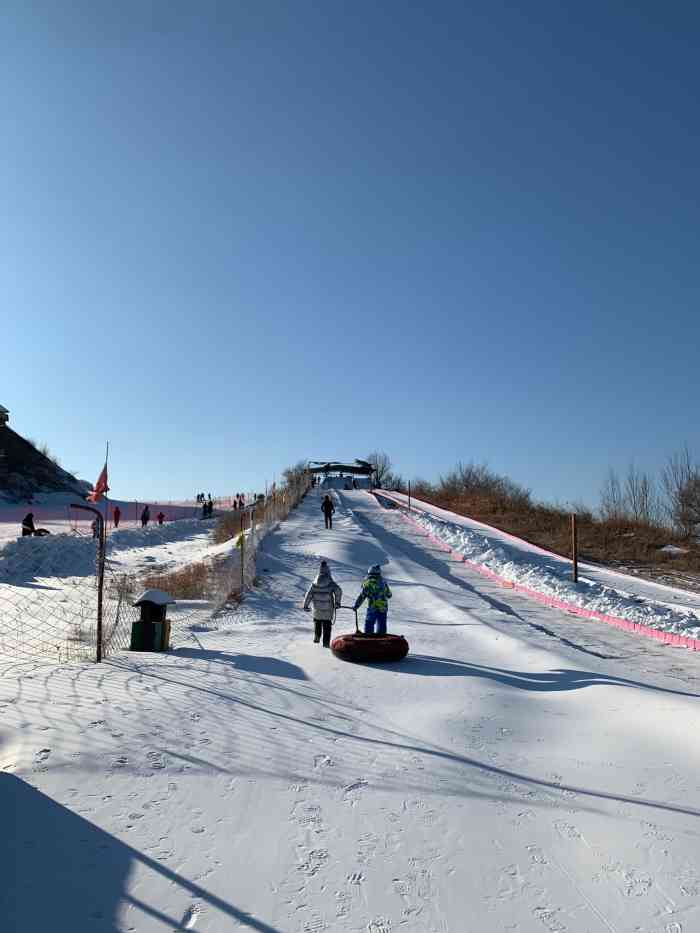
26	471
336	468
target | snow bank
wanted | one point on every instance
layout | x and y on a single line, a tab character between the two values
68	555
548	576
53	556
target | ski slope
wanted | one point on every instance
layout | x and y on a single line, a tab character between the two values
520	771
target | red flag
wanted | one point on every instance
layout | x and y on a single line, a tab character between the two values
101	486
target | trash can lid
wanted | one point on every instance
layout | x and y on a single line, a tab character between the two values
157	597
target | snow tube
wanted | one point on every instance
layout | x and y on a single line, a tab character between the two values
378	648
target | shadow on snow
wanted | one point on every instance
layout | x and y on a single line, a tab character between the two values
61	872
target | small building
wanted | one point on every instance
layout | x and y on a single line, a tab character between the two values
4	416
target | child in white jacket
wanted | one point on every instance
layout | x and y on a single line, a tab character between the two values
325	595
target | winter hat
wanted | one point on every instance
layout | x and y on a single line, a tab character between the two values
374	571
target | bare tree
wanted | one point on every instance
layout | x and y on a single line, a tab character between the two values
295	474
640	498
381	464
421	488
395	481
612	506
689	500
676	477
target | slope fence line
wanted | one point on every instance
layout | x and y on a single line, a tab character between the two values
669	638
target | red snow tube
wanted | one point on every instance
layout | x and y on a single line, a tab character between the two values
378	648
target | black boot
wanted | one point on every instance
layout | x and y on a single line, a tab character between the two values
326	634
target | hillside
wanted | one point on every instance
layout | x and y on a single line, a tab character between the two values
26	471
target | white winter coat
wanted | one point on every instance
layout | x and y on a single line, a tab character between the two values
324	594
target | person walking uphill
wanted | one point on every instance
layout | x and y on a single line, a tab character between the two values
376	591
328	509
325	595
145	516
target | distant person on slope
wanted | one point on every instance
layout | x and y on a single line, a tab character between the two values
28	525
328	509
160	517
325	595
116	515
376	591
145	516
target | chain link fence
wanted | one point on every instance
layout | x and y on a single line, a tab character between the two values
225	578
48	598
62	598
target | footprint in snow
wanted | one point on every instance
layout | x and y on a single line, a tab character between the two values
190	917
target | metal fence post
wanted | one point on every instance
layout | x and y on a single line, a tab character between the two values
242	539
574	547
101	549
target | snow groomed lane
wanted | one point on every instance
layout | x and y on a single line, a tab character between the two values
521	770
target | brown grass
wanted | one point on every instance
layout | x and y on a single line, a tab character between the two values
229	525
609	542
191	582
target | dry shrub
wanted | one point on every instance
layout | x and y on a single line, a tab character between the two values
229	525
478	493
190	582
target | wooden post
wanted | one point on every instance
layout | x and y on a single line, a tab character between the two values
574	547
409	495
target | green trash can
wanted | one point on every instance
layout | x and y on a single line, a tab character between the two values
151	632
142	636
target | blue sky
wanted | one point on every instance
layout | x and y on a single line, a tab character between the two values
236	235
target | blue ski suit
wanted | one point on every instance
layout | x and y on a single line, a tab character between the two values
376	591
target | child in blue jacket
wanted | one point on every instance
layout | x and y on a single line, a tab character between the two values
376	591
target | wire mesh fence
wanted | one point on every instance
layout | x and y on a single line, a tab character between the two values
48	598
63	598
118	610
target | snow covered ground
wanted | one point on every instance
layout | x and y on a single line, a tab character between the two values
52	511
520	771
606	591
48	597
